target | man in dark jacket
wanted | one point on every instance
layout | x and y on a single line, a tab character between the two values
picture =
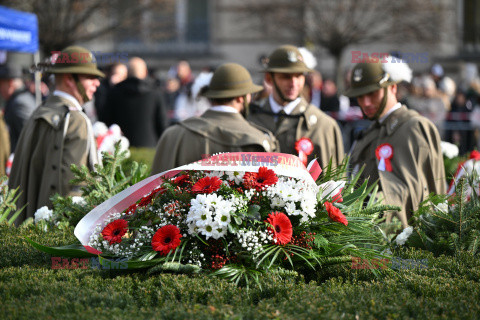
20	103
137	107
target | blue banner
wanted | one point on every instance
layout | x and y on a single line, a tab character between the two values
18	30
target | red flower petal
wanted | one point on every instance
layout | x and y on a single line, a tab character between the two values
335	214
180	180
281	227
207	185
166	239
259	180
114	231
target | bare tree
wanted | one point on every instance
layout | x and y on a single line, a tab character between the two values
338	24
64	22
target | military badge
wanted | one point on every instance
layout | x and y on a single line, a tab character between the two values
384	153
292	56
357	75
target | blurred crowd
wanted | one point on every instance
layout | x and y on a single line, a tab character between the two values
173	96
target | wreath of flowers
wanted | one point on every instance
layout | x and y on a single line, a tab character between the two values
216	218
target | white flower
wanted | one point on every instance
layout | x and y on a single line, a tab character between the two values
209	215
235	176
43	214
79	200
449	150
402	237
443	207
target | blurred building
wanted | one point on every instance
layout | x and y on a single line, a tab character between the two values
209	32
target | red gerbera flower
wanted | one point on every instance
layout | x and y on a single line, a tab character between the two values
335	214
166	239
180	180
207	185
281	227
258	180
114	231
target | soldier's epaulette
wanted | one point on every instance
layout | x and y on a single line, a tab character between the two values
54	115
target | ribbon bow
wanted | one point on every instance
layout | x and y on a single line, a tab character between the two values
304	147
384	153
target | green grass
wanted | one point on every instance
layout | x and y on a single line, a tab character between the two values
29	288
141	155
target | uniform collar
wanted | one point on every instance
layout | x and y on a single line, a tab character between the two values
69	97
223	108
395	107
276	108
396	118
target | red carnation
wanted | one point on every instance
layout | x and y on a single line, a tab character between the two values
258	180
166	239
335	214
114	231
207	185
281	227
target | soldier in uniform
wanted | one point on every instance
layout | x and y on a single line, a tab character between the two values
57	135
290	117
4	145
401	149
222	128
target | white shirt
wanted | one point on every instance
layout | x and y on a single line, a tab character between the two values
276	108
395	107
69	97
227	109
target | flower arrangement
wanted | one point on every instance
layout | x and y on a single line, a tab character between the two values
252	214
235	215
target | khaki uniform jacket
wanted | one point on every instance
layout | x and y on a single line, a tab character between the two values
417	161
212	132
47	146
4	145
308	121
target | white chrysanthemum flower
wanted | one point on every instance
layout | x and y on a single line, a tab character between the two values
214	173
403	236
449	150
210	214
443	206
235	176
43	214
295	197
79	200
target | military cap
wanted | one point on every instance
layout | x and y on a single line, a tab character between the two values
286	59
74	60
10	72
367	77
231	80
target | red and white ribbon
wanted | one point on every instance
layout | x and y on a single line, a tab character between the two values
384	153
283	164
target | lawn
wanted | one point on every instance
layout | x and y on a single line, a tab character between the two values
444	287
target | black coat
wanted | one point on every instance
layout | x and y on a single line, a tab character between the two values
138	108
